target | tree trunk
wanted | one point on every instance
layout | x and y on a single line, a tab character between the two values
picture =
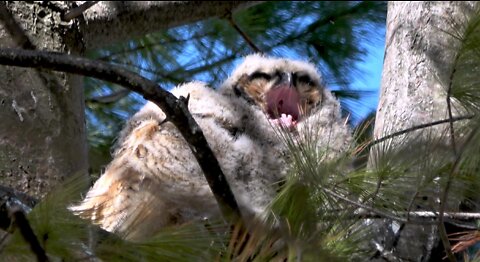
43	135
43	131
417	68
417	64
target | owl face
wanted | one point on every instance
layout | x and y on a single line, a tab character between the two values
286	90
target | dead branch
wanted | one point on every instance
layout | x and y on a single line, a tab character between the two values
71	14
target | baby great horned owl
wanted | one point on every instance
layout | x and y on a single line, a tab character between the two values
154	180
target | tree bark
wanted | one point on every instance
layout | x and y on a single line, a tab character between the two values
42	131
419	55
417	64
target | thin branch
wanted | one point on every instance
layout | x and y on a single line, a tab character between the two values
243	34
371	209
450	121
175	109
412	201
465	216
449	104
71	14
21	222
441	225
417	127
14	29
443	231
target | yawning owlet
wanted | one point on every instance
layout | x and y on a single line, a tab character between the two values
154	180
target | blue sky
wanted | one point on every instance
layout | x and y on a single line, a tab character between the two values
370	72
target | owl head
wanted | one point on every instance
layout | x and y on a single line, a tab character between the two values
286	90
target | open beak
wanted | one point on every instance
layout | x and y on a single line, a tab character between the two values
283	99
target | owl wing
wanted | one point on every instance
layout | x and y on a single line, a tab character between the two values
154	179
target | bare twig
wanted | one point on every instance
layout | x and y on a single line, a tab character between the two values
21	222
412	201
412	217
465	216
71	14
243	34
417	127
449	104
175	109
14	29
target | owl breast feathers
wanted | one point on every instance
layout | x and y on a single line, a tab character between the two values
154	180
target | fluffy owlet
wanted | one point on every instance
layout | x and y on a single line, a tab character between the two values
154	180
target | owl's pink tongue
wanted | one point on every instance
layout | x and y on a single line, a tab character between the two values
282	106
283	100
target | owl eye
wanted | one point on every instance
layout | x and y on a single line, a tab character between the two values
260	75
306	80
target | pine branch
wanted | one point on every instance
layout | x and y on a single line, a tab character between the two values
243	34
441	213
175	109
379	213
321	22
449	103
73	13
443	200
442	229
